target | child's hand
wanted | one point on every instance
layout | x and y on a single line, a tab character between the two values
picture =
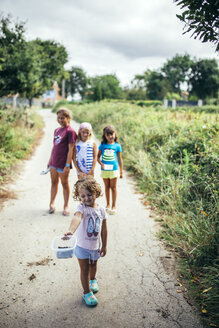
66	236
90	173
103	251
121	175
66	170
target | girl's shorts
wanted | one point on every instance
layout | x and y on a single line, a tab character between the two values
57	169
109	174
83	253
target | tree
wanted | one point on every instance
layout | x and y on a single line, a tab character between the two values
155	85
134	93
77	81
44	65
204	80
27	68
12	56
153	82
104	86
201	17
52	56
176	71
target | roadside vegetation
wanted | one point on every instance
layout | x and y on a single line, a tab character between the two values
19	132
173	154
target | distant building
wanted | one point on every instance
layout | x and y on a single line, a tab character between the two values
50	97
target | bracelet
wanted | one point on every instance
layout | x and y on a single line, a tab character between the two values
68	165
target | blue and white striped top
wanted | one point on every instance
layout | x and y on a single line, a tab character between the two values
85	155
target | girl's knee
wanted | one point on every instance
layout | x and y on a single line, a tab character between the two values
113	188
55	182
65	184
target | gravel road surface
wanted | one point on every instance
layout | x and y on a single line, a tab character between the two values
138	287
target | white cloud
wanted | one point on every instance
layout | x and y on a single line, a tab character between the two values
123	37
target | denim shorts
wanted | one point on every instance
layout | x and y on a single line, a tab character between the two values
57	169
83	253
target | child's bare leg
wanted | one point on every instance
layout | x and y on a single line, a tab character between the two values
113	183
107	192
54	186
66	189
93	270
84	274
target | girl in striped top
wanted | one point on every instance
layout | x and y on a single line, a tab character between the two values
85	151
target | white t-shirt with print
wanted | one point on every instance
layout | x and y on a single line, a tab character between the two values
85	155
89	231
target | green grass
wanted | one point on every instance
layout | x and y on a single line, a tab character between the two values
18	133
174	157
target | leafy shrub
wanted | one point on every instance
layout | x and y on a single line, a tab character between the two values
174	156
18	131
149	103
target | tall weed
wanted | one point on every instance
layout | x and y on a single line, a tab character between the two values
174	156
18	131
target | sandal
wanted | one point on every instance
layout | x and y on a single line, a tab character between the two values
93	286
52	210
112	212
66	213
90	299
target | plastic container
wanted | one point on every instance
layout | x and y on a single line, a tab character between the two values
64	249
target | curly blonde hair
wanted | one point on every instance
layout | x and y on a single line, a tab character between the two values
89	184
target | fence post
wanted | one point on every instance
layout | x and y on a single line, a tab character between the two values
15	101
200	103
173	103
165	102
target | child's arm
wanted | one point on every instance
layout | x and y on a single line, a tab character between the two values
120	164
69	157
74	159
103	238
98	159
74	223
94	158
50	154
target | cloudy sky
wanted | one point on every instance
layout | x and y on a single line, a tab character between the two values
122	37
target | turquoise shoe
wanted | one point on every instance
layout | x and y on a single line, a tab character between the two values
90	299
94	285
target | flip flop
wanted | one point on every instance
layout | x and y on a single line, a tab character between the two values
52	210
113	212
66	213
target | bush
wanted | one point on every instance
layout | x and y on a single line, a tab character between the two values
18	131
174	156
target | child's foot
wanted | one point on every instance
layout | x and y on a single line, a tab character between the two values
66	213
52	209
107	209
93	286
90	299
113	211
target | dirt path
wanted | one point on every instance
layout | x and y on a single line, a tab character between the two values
135	288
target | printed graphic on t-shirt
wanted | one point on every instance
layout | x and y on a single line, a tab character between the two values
58	139
109	155
93	228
